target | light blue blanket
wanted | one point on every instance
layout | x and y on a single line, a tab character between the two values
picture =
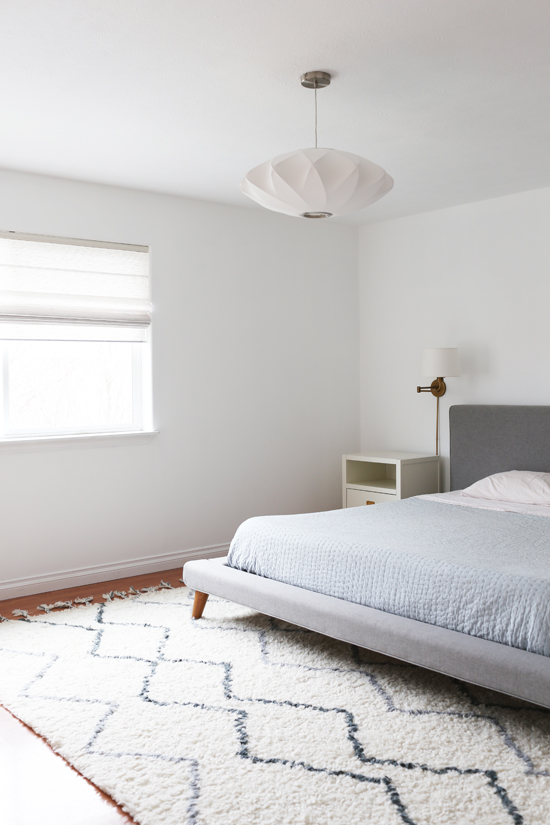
476	571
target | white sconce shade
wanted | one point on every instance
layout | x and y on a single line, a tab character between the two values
316	183
441	362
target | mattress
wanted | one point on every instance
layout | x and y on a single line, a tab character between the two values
474	570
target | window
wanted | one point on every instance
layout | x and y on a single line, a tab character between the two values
74	337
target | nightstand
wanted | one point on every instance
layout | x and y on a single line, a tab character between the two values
387	476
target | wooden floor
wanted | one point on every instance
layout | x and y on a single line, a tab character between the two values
37	785
31	603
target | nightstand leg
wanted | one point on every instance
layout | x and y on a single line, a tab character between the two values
199	604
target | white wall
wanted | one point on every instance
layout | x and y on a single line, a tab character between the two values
476	277
256	385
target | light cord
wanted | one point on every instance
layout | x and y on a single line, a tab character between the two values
315	87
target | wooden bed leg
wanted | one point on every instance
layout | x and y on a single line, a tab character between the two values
199	604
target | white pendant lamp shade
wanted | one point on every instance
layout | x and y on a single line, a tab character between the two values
316	183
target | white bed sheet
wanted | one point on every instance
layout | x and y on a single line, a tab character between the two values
456	497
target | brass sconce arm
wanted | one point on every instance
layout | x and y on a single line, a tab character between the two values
438	361
437	388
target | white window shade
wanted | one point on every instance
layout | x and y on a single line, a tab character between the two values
62	281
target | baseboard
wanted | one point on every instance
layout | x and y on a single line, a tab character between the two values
28	585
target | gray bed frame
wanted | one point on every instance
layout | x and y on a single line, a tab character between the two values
485	439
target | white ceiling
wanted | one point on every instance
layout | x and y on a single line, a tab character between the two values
451	97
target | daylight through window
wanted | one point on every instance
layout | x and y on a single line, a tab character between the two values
74	337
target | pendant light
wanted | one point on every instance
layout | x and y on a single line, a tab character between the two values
316	183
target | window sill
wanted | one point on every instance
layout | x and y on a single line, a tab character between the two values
78	440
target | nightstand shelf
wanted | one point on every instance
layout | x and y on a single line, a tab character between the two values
377	485
387	476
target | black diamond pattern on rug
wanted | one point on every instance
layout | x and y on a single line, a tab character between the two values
239	718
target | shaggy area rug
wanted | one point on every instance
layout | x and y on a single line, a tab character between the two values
238	719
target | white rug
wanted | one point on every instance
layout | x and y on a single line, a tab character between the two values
238	719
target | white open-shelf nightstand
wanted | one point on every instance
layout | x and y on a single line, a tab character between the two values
387	476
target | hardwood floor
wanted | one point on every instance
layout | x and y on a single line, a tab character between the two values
36	784
31	603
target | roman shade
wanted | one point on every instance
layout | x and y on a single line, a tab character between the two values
67	281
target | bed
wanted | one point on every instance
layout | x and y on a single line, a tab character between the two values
513	658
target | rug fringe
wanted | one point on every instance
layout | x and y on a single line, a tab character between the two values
47	608
83	601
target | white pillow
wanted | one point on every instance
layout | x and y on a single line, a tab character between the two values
522	486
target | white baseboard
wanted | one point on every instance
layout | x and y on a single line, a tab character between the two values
26	586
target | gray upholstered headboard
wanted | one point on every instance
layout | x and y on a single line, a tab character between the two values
487	439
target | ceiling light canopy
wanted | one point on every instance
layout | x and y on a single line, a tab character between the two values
316	183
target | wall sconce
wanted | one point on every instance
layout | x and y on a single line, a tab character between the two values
440	362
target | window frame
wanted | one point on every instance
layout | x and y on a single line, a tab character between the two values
138	335
139	399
